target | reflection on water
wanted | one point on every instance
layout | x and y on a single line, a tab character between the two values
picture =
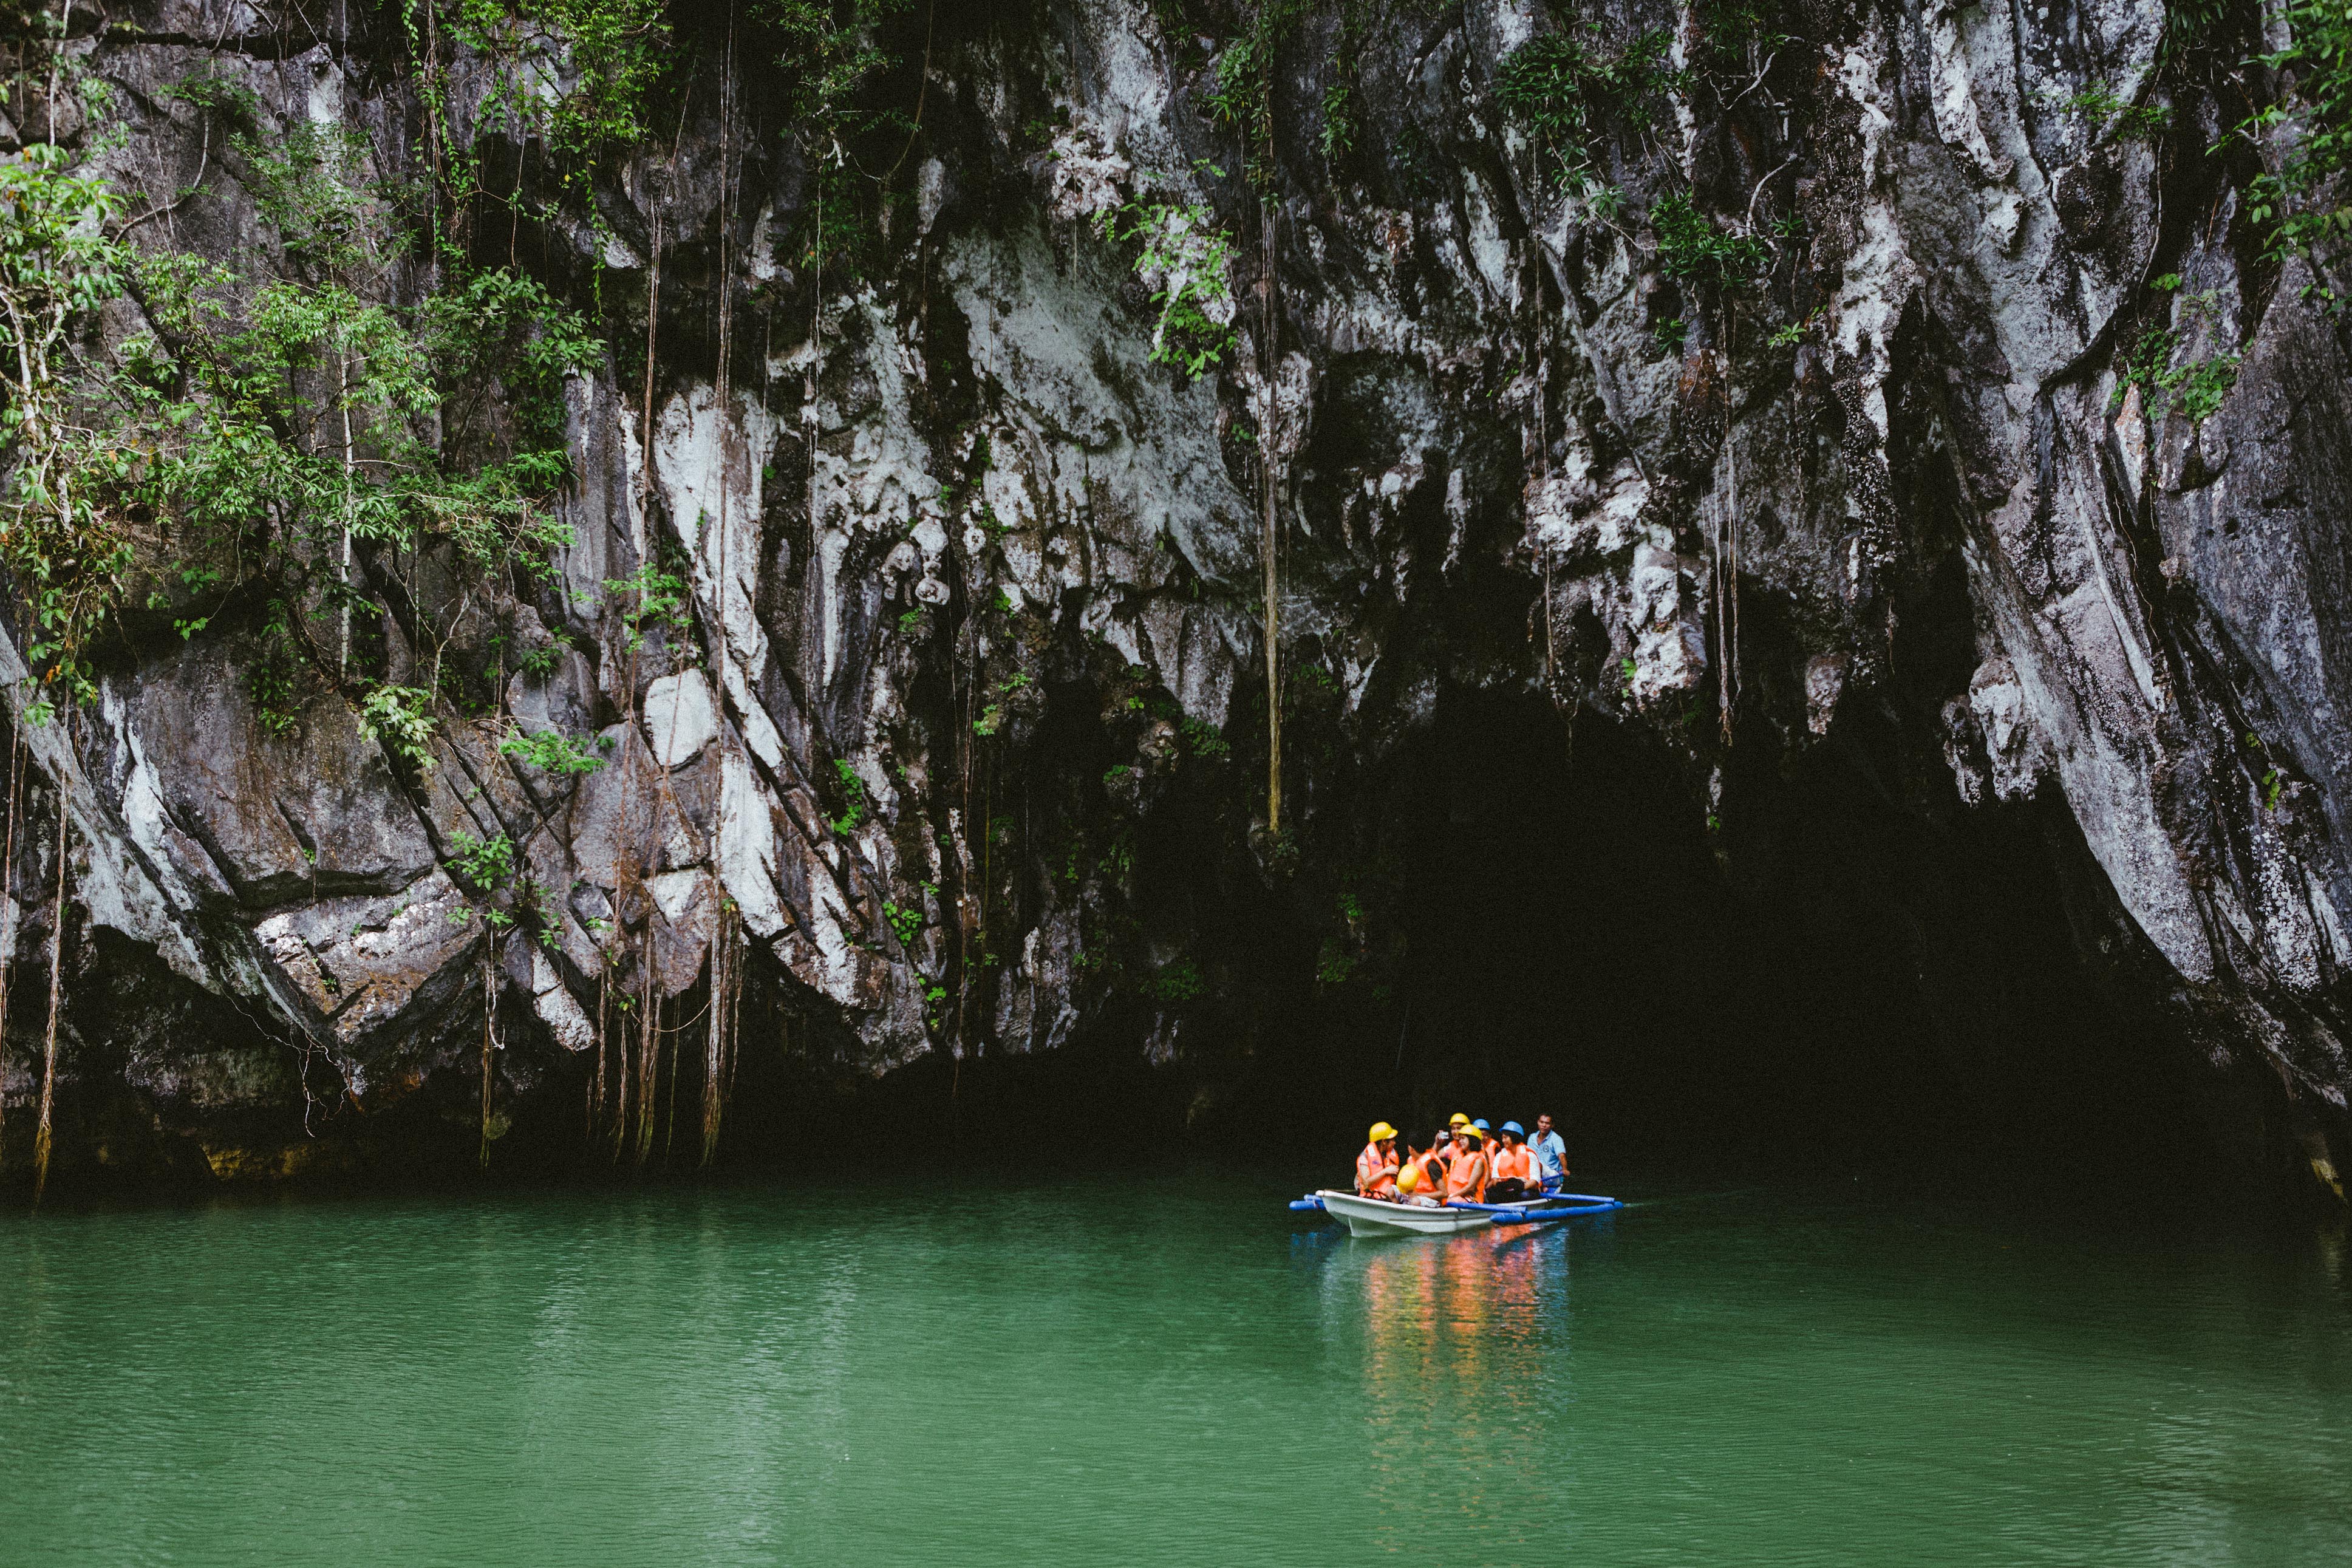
1464	1346
1158	1368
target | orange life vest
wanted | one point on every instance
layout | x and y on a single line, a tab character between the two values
1519	1162
1376	1172
1466	1177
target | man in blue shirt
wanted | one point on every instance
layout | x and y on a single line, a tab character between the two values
1550	1152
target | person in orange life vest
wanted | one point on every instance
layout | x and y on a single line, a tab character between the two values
1466	1179
1376	1167
1444	1147
1514	1167
1414	1185
1442	1151
1433	1164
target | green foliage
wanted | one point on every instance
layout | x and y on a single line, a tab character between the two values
2271	781
488	863
270	677
1119	859
2310	133
235	102
1337	137
1334	964
1204	739
503	328
2132	121
214	404
616	47
2198	384
1341	115
840	236
258	424
2191	27
1243	97
907	924
828	50
1186	262
615	50
61	534
1177	982
552	752
1669	333
539	663
1559	89
539	905
1692	249
1787	337
401	718
313	187
660	600
853	797
991	720
1731	30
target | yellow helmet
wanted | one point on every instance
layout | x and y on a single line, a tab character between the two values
1457	1119
1409	1179
1382	1129
1470	1132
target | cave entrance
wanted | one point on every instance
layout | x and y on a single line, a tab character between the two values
1834	979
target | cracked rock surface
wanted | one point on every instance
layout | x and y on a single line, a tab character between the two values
973	585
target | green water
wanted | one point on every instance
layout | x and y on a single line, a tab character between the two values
1158	1368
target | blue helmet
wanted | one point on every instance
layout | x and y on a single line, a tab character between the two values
1515	1130
1481	1125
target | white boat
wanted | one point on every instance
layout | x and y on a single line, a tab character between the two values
1378	1216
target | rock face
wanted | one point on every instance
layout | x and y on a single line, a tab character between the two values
1798	395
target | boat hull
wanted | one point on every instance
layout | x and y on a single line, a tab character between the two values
1373	1217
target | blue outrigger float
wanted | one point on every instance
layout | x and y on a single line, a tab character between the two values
1382	1217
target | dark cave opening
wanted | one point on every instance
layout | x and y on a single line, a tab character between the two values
1830	981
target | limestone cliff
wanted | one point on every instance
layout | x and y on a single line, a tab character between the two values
1743	374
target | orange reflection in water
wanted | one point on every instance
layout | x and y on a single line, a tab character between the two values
1464	1347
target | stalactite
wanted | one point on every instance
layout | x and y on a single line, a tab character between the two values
41	1133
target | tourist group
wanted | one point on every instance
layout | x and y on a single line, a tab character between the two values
1466	1162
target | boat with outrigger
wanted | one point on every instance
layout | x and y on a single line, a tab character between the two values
1386	1216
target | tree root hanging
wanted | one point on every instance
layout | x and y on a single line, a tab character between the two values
8	922
489	1038
41	1134
648	1049
718	1047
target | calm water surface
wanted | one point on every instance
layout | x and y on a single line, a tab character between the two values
1158	1368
